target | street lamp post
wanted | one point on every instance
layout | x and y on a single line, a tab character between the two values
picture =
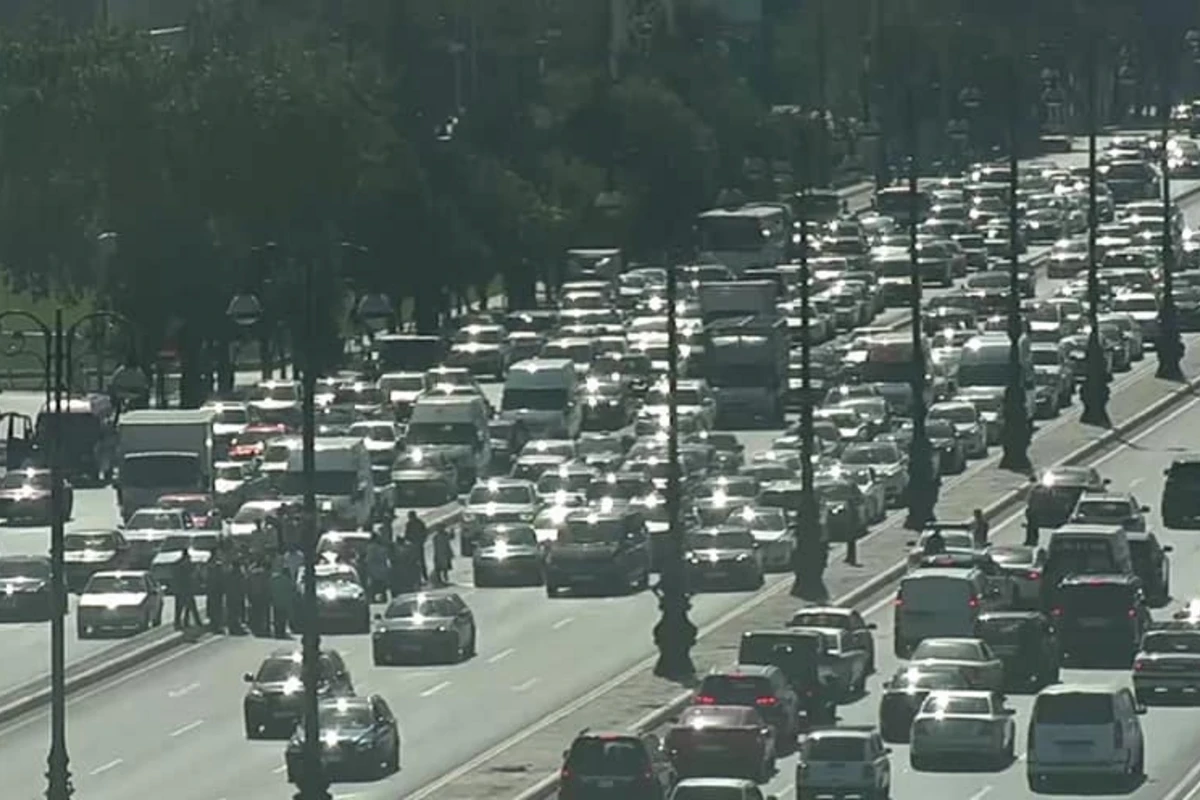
1094	392
1017	428
58	340
245	310
674	634
1169	345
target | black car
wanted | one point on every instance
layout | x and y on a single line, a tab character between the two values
26	594
1152	565
952	456
729	452
603	765
88	552
274	702
761	686
360	740
798	655
1055	491
602	451
507	554
1100	617
724	556
607	406
1027	643
1181	493
599	550
905	692
422	627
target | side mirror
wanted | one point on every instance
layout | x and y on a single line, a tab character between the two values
871	626
1010	712
910	543
1145	509
887	751
1166	472
379	617
1106	481
247	677
1168	548
1140	708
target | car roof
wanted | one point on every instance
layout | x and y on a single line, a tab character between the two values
1082	688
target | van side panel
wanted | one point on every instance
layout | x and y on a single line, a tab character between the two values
932	606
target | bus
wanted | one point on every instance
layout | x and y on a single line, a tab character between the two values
756	235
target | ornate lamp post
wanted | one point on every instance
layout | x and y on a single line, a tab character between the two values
57	366
246	311
1094	392
1169	346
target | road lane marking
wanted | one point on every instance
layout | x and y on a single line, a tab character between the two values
282	768
982	793
786	791
177	693
526	686
191	726
562	623
503	654
116	762
432	690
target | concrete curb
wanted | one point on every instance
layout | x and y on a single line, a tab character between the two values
39	697
659	716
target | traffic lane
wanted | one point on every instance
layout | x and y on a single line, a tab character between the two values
1170	732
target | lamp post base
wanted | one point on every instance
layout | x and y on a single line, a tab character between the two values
58	774
1170	353
1095	404
674	635
1016	438
922	489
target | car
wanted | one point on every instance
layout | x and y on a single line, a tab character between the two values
956	726
1110	509
1055	491
599	549
1167	665
957	539
118	602
952	454
1083	732
495	501
968	424
25	496
146	530
708	788
1028	644
506	554
26	592
1181	493
200	547
998	583
724	555
722	741
904	693
857	630
844	761
846	507
274	700
973	656
762	686
615	765
1024	565
360	740
424	626
1100	617
342	602
773	538
889	462
86	552
1152	564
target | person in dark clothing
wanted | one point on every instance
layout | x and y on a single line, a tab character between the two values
1032	534
235	598
217	578
402	569
184	582
258	595
416	533
935	543
979	529
443	557
283	594
377	569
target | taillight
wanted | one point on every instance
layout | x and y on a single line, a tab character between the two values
564	775
1034	575
1057	611
973	602
766	701
898	602
1132	613
1138	666
706	700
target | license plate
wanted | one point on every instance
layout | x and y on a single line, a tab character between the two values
605	784
410	647
281	714
717	573
1093	622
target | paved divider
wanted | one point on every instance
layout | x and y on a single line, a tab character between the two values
139	650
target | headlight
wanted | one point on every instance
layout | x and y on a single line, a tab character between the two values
327	505
743	557
468	516
292	686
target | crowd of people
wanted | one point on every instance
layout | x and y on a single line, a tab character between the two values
255	590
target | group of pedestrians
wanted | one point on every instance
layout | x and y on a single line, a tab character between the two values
255	591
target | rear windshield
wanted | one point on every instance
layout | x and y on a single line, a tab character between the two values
1172	642
735	689
707	793
780	651
834	748
1096	599
1083	555
1185	472
720	716
1000	630
607	757
1074	709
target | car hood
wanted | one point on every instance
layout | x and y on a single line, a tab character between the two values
23	494
112	600
88	556
221	486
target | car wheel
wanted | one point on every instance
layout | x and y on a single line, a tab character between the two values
253	732
480	580
472	648
380	659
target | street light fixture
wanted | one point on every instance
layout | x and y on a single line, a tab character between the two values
58	340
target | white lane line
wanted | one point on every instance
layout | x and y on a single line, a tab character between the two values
982	793
100	770
184	690
282	768
786	791
562	623
191	726
432	690
526	686
503	654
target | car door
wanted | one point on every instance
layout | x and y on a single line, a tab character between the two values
861	632
386	722
993	667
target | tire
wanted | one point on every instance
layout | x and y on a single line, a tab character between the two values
473	647
480	580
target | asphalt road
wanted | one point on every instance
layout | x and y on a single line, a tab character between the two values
1172	733
448	714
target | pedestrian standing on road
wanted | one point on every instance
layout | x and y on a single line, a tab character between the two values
852	549
283	592
218	576
979	529
235	599
403	569
443	557
416	533
378	569
184	582
1032	533
258	595
294	559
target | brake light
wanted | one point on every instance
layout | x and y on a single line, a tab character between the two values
706	700
766	701
1138	666
1034	575
1057	611
564	775
1132	613
898	602
973	602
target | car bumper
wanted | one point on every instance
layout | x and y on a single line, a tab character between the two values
415	645
114	623
1164	684
24	607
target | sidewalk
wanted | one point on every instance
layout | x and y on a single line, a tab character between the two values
507	774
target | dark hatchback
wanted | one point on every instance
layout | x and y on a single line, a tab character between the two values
1100	618
1053	496
424	627
1027	643
507	554
905	692
360	740
600	551
25	590
720	742
1181	493
798	656
274	702
615	766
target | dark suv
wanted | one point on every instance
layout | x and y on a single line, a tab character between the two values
274	702
599	551
798	655
621	766
1100	615
760	686
1181	493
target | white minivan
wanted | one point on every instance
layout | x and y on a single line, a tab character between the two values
1084	731
541	394
939	602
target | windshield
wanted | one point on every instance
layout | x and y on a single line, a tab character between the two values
552	482
988	402
760	519
707	793
233	472
410	607
345	715
19	480
1102	511
872	454
726	540
621	487
326	482
1135	304
155	520
531	400
1011	555
250	513
277	670
115	584
376	433
505	495
231	416
1125	172
451	433
731	233
983	374
949	704
595	446
1081	708
405	383
25	568
161	471
1100	599
838	492
950	651
961	415
90	541
479	336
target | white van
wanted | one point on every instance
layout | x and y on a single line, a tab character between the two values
345	486
542	395
453	428
1082	731
938	603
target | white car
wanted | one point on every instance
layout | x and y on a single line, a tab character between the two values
973	656
952	726
968	425
769	528
1085	732
119	602
957	541
843	761
381	438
